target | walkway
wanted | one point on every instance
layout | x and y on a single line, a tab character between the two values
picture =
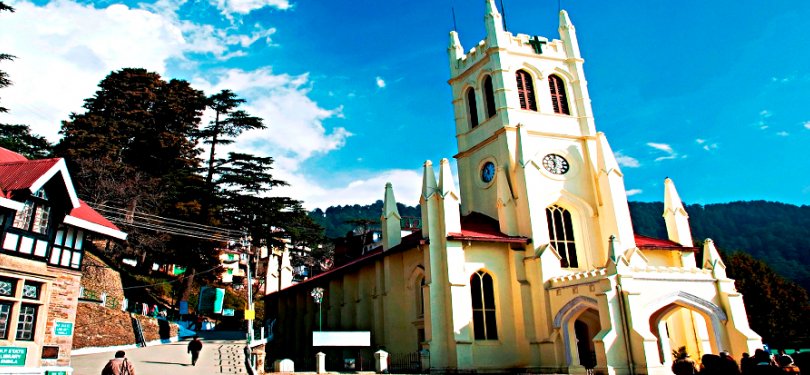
223	353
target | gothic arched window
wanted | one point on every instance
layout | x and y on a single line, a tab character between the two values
472	109
489	97
420	296
559	101
485	325
525	89
561	234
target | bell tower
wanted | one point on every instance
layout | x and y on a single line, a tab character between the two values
529	152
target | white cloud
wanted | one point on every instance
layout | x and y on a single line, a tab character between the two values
667	149
783	133
295	130
632	192
407	188
230	7
806	125
783	79
380	82
626	161
706	145
765	113
65	48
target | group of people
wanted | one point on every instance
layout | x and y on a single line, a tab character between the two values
120	365
761	363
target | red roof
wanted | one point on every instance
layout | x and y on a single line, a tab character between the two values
7	155
87	213
479	227
657	243
17	173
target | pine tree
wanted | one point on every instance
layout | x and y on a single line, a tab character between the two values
18	138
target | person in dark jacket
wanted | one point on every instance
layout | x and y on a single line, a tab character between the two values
711	365
119	365
728	366
194	347
683	365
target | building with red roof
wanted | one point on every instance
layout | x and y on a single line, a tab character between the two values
532	265
43	229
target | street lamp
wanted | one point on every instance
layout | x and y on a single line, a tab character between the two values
317	294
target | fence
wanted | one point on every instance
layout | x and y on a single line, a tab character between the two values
407	363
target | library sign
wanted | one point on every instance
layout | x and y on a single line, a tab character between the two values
12	356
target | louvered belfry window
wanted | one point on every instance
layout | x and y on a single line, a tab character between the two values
525	89
489	96
558	99
472	109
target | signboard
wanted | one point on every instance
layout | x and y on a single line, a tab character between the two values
56	373
12	356
63	329
227	312
183	307
250	314
211	300
348	338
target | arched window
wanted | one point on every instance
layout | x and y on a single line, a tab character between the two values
420	296
558	98
485	326
489	96
561	234
525	89
472	109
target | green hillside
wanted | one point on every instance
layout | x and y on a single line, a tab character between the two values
776	233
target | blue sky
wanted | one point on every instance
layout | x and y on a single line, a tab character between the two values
714	94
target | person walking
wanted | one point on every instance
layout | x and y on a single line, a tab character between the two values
119	365
194	347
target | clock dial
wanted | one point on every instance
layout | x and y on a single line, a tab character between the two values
488	171
555	164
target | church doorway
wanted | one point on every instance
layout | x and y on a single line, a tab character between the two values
678	326
584	328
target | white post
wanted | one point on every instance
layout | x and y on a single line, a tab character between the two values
381	361
424	358
320	363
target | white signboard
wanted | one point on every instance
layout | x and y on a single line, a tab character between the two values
343	338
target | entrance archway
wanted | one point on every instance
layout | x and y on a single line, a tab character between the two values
579	323
682	319
585	328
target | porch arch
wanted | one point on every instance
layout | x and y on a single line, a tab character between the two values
662	308
564	319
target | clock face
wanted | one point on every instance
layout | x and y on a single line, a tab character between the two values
488	172
555	164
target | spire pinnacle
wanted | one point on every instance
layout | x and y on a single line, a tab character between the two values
455	50
429	185
605	159
675	215
391	233
564	20
446	183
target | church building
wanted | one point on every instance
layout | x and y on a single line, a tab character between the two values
532	264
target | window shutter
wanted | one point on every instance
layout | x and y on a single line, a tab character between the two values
558	99
525	90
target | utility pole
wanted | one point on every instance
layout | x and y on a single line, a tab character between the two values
246	246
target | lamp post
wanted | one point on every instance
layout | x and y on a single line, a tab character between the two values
246	247
317	295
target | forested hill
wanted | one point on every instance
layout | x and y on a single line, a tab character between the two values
777	233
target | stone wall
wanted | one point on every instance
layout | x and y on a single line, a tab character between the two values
98	326
100	278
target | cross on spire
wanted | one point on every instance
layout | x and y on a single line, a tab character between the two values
537	44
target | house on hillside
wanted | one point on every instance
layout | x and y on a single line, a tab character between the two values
43	228
533	264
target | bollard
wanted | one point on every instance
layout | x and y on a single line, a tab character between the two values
320	363
284	365
381	361
424	359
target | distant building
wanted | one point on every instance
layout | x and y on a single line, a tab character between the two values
533	266
43	228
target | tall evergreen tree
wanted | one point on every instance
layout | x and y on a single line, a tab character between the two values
18	138
4	80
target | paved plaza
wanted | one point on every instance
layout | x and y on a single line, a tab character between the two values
222	353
